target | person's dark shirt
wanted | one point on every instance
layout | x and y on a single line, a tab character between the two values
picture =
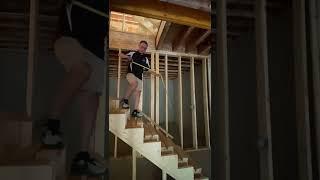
141	59
88	28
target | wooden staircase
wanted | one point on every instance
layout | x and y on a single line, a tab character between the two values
152	144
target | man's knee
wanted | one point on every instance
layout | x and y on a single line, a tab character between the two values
138	92
82	69
133	84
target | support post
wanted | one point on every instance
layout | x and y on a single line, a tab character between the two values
134	164
301	90
141	99
264	121
157	89
315	47
119	75
152	88
115	152
32	52
193	105
164	175
118	96
166	94
209	82
205	102
221	123
180	110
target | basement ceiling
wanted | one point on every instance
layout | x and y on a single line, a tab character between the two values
134	24
171	35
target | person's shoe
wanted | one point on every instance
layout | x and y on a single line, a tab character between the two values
84	165
124	103
136	113
51	137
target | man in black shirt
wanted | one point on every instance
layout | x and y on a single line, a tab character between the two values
135	76
80	47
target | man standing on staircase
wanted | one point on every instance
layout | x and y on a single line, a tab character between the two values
135	76
80	47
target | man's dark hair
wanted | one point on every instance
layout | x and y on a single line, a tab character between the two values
143	42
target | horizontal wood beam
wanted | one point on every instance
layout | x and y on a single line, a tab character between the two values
202	37
203	5
163	11
15	15
162	33
204	47
181	39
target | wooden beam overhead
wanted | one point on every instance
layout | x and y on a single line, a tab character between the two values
203	5
163	11
202	37
162	33
204	47
180	40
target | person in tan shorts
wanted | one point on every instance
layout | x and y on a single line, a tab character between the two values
135	76
80	48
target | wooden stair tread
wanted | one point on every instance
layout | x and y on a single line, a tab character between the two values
118	111
201	178
150	141
147	129
167	153
177	149
183	164
134	123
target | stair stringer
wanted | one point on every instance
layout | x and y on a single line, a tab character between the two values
151	150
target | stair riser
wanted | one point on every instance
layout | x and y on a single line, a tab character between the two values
134	137
114	104
117	121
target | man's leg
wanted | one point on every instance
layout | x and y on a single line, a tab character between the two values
137	95
73	80
132	85
137	112
88	97
88	103
83	162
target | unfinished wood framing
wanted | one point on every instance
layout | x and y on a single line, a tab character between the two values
301	90
32	52
193	105
180	110
118	96
162	33
140	106
169	53
155	9
202	37
157	88
119	75
209	81
115	152
205	102
315	69
221	126
264	121
180	40
164	175
152	88
166	94
134	164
